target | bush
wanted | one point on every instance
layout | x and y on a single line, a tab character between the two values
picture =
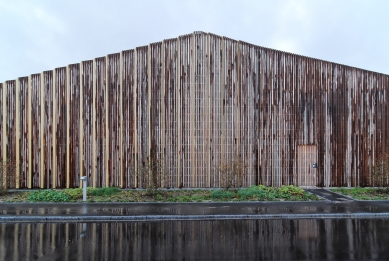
104	192
259	192
231	173
74	193
262	193
48	196
222	194
380	172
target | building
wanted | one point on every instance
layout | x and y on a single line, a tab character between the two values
193	102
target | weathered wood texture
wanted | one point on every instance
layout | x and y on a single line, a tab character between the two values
2	131
142	110
87	120
60	122
113	91
128	127
100	110
306	158
23	133
10	128
193	102
170	107
155	150
36	132
47	179
74	128
186	111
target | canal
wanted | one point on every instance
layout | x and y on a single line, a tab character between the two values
276	239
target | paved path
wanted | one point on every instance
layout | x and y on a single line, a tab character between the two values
329	195
76	212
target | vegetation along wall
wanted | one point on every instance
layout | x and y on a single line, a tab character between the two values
193	102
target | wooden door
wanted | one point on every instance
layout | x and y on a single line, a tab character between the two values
306	171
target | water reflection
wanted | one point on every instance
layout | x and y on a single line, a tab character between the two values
310	239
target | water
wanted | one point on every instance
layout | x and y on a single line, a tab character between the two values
294	239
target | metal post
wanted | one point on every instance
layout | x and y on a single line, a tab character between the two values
84	181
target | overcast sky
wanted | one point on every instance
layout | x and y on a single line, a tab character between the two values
41	35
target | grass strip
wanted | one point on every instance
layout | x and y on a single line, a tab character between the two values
114	194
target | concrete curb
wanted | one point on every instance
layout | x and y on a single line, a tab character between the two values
68	219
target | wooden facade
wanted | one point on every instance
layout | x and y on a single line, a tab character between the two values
193	102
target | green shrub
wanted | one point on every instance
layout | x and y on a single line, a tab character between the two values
159	197
184	199
74	193
198	198
291	192
254	192
104	192
48	196
262	193
171	199
222	194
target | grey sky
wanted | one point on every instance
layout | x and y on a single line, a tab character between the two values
42	35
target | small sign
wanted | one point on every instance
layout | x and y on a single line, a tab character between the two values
314	165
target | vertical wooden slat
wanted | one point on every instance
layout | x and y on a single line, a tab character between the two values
208	110
100	107
17	132
3	133
128	127
136	115
74	124
155	105
68	87
94	125
87	120
167	168
222	155
142	102
54	130
23	137
121	172
60	118
215	104
106	124
29	131
42	132
178	110
10	129
193	166
35	130
47	122
81	123
147	110
113	120
186	113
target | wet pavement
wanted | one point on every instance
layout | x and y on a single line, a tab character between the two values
320	230
190	211
329	195
271	239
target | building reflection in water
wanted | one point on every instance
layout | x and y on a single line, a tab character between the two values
307	239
